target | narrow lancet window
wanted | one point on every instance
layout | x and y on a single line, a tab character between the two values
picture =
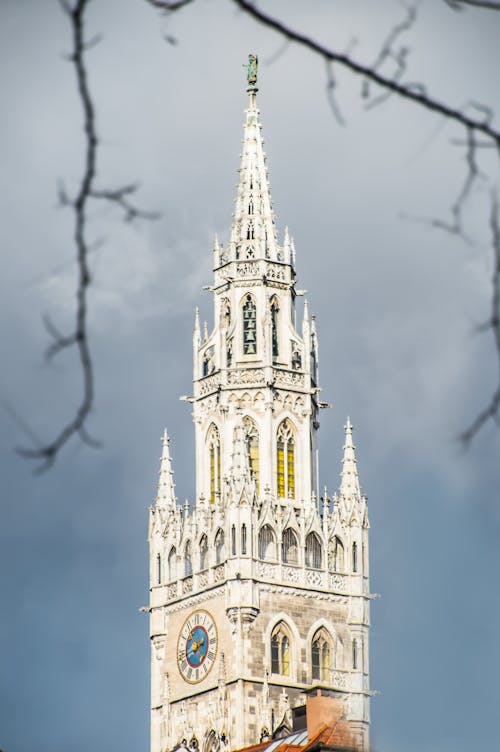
289	547
249	327
243	539
267	543
274	328
354	557
233	540
337	555
213	441
321	656
158	569
280	651
313	551
285	461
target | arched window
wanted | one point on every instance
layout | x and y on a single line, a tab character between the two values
285	461
289	547
213	441
203	552
233	540
252	442
267	543
172	562
321	655
249	326
337	555
280	651
158	569
274	328
354	557
243	539
313	551
220	548
355	653
188	565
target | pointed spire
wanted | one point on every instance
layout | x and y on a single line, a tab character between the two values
196	331
253	232
165	498
349	483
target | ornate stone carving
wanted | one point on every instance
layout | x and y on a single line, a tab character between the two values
292	574
209	384
187	584
338	582
288	378
246	376
315	578
219	573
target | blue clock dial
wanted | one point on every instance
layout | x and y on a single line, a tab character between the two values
197	646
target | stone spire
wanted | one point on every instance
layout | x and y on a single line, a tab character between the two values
253	232
349	483
165	498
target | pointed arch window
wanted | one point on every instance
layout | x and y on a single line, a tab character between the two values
337	555
158	569
243	539
321	655
250	231
172	560
188	564
354	557
249	326
233	540
280	651
314	553
285	461
220	548
252	443
355	653
203	552
289	547
267	543
274	328
213	440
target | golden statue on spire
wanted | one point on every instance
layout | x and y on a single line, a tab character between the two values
252	66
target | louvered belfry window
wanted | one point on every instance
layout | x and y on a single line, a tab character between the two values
249	327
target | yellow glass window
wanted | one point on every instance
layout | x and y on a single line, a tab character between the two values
291	469
281	468
285	656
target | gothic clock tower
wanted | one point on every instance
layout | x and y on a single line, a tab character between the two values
260	589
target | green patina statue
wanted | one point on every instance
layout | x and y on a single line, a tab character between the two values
252	69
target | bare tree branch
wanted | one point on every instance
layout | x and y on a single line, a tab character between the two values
492	409
488	4
47	453
413	92
388	52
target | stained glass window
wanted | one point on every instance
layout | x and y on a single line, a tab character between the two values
285	461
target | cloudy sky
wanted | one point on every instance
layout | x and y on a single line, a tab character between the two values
397	304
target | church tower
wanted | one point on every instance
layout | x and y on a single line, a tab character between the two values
260	588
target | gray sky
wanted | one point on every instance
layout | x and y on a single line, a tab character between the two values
396	306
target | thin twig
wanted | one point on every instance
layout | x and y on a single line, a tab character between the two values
492	409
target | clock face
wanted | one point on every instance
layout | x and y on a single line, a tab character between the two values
197	646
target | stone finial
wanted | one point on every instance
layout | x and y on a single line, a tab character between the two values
165	498
349	480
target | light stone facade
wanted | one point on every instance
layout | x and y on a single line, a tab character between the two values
282	574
